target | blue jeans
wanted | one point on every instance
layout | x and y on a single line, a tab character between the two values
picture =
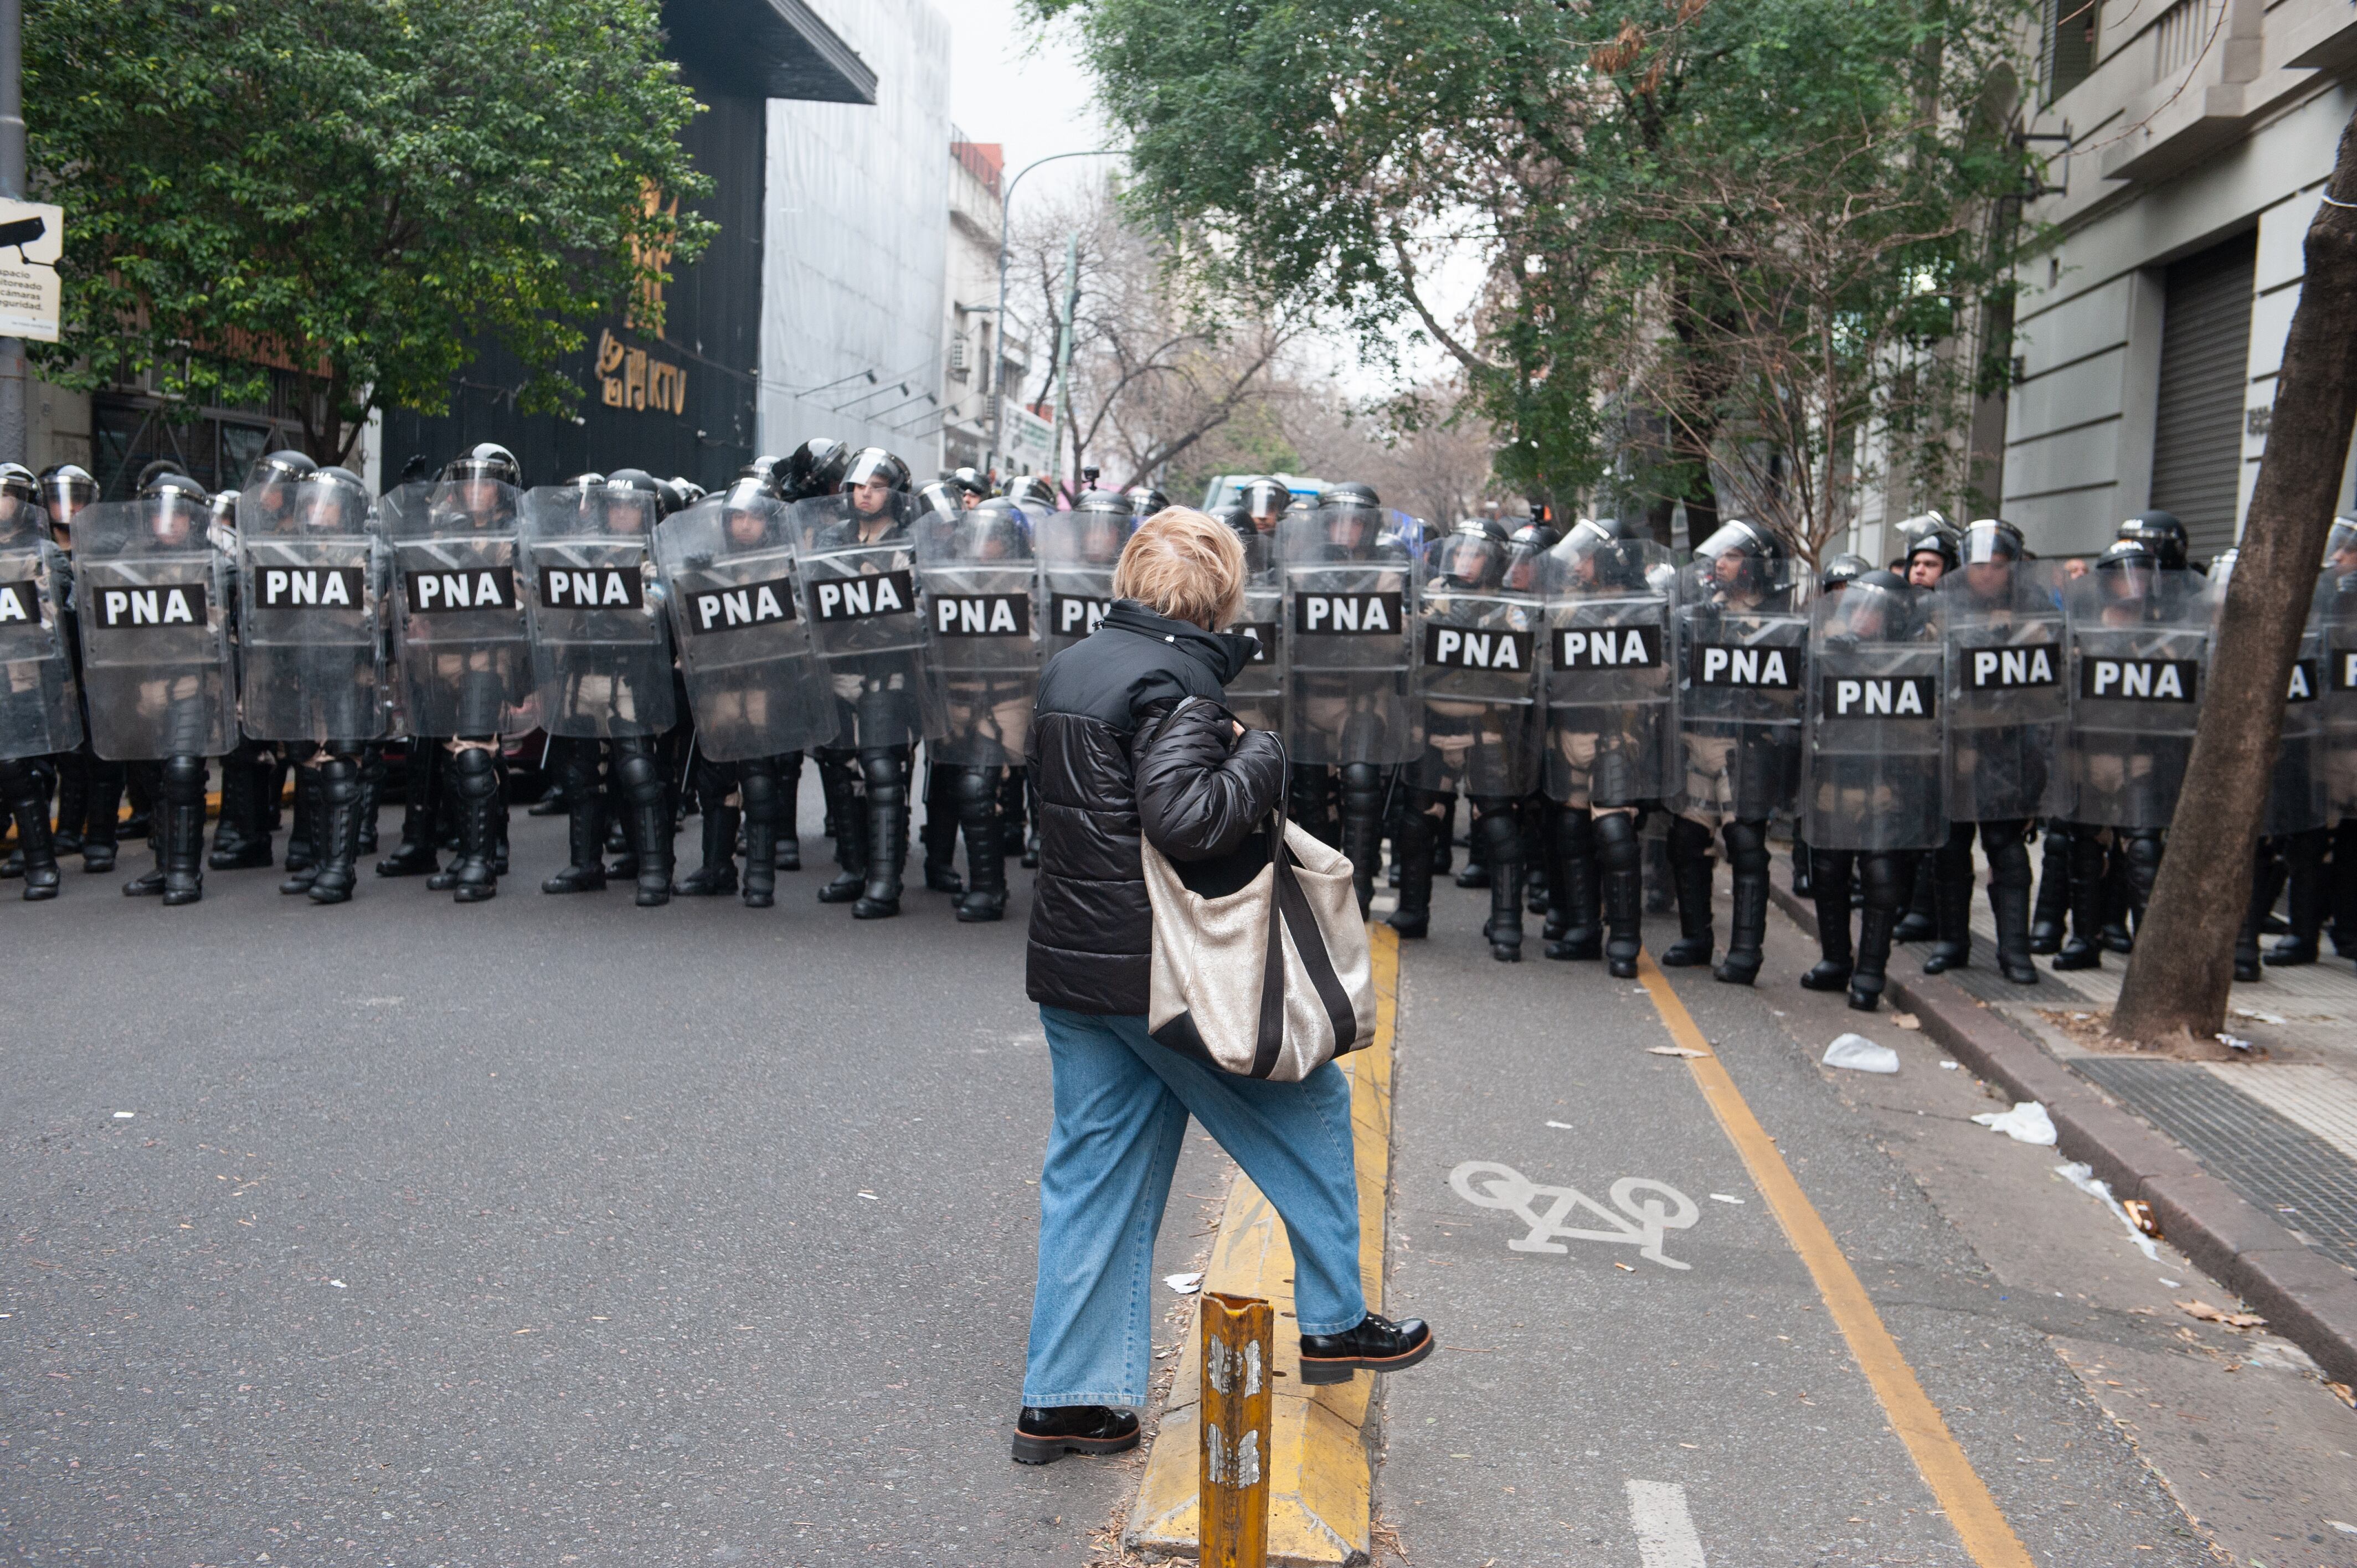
1122	1104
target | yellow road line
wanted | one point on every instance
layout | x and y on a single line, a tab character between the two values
1954	1483
1321	1481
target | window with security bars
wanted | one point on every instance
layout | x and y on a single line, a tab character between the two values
2070	44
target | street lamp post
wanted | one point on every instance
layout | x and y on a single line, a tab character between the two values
999	357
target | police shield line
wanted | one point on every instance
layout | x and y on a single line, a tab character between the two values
676	653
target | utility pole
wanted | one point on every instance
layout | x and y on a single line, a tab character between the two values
1064	353
12	186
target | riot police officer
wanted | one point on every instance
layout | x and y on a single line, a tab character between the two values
464	648
90	787
979	584
153	593
601	652
2006	707
241	837
40	707
741	623
1873	767
1743	653
1611	730
1476	692
859	560
2327	891
312	576
1835	575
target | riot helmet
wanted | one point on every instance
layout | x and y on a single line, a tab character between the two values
749	516
689	492
1992	538
485	460
992	530
284	467
871	466
1033	490
815	468
1144	500
1913	530
1876	606
1263	501
2124	571
972	481
67	489
1101	526
770	470
622	482
1526	548
944	500
178	516
2161	534
2340	545
587	481
331	500
20	495
1741	556
1474	557
222	514
1354	518
1841	571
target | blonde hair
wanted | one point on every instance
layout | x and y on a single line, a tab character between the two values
1183	564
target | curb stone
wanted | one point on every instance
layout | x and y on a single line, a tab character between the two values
2304	1295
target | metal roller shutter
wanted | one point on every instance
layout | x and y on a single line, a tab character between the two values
2197	452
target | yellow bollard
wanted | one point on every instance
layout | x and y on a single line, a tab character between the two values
1235	1430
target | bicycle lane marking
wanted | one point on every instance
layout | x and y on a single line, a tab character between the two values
1971	1511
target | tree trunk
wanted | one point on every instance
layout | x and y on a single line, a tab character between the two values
2177	981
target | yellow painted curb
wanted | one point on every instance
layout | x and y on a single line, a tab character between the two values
1320	1478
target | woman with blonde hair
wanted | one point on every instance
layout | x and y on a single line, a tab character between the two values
1130	741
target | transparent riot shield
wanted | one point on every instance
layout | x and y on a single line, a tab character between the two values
2338	594
1350	600
40	708
1611	671
980	585
1477	671
868	619
1875	764
2298	786
312	569
600	648
153	600
462	641
743	629
1078	552
2007	701
2139	641
1743	666
1256	696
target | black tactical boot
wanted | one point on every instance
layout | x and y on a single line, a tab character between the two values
180	801
985	854
2053	906
241	838
1690	873
1362	827
303	839
372	768
718	873
148	883
1501	837
1950	875
585	820
883	774
2141	856
1418	828
474	794
1829	884
73	802
1885	877
941	831
648	818
838	779
421	827
2310	896
339	832
25	791
102	828
1572	927
2267	883
1919	923
1619	862
1747	922
1540	896
1802	866
758	787
2009	895
2085	949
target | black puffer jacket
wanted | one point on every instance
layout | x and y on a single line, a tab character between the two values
1197	793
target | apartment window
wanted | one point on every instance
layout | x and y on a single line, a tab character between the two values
2070	44
2181	35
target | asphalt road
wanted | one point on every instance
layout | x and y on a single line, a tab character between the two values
554	1231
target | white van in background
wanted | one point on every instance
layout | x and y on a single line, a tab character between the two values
1220	493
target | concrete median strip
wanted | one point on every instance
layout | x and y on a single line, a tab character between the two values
1321	1476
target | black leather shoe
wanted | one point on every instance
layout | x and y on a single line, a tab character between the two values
1827	974
1044	1436
1377	1344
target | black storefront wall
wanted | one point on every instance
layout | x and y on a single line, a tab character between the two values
684	404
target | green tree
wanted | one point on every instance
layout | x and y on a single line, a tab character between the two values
353	191
1663	191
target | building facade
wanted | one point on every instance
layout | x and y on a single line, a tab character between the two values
970	330
857	246
2189	143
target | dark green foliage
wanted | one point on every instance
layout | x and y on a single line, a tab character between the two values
352	189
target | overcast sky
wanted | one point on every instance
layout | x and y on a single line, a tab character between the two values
1031	100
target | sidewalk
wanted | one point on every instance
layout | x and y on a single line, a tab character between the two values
2255	1170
